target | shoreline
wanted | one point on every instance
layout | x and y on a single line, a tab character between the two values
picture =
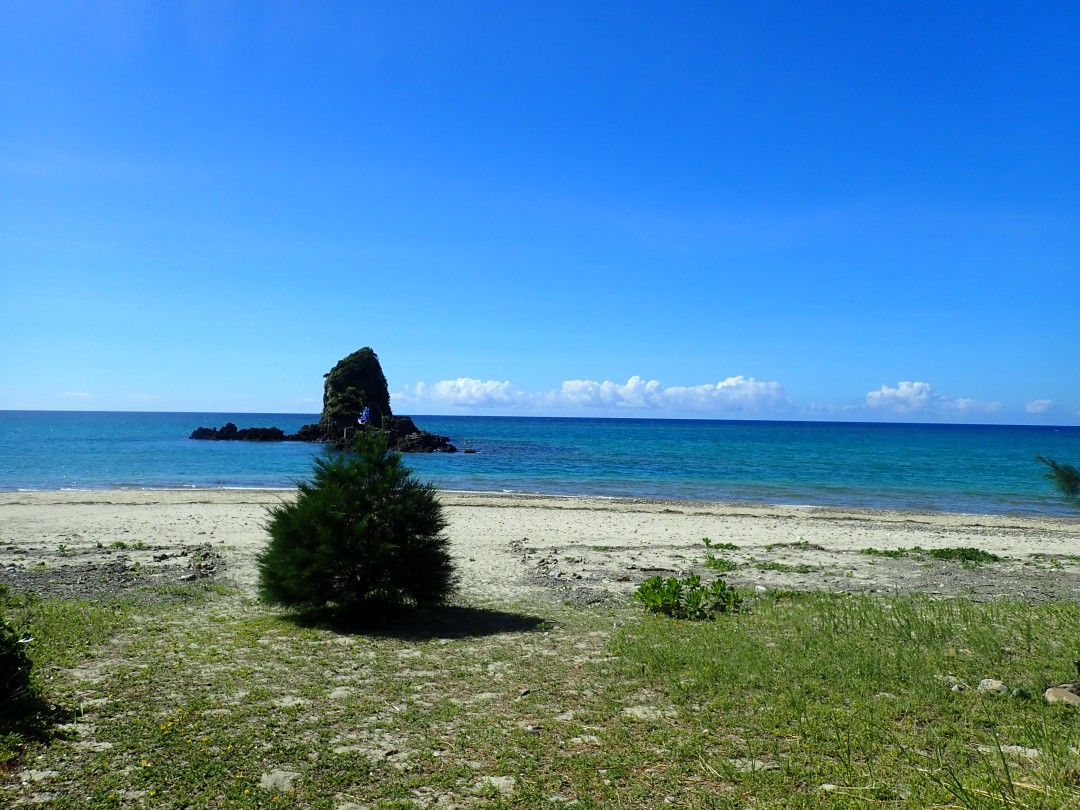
598	500
509	547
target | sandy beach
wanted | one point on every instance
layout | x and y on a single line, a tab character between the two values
512	547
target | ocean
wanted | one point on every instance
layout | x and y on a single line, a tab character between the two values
977	469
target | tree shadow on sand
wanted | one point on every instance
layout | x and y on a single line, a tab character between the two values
420	624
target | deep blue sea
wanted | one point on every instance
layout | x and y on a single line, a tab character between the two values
955	468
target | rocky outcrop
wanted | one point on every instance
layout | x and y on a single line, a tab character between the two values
405	436
355	384
230	432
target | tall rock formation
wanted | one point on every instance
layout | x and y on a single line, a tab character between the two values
355	383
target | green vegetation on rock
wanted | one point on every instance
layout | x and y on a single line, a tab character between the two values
356	382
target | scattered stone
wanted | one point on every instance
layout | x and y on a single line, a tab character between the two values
584	739
36	776
278	781
94	746
1018	751
1058	694
753	765
643	712
289	701
992	686
503	784
341	693
951	681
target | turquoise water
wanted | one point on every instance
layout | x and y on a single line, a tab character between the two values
956	468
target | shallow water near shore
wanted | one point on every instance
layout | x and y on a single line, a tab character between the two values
980	469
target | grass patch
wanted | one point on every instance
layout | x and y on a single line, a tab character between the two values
845	691
123	546
721	564
60	632
786	568
964	554
719	546
894	553
804	701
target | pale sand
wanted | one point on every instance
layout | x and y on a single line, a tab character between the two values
513	547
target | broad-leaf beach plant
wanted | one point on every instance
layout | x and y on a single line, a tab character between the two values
687	598
363	531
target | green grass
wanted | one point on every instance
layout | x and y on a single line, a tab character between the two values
62	633
720	564
719	546
804	701
786	568
962	554
895	553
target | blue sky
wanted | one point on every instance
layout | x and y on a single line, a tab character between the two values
731	210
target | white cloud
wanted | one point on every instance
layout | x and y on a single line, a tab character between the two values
1040	405
636	393
462	392
919	397
77	394
732	394
906	397
965	405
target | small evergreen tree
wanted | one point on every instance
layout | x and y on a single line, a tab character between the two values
1065	477
363	531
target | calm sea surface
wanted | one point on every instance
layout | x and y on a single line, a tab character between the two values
956	468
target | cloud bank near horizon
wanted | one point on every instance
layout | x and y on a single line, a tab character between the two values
909	397
737	394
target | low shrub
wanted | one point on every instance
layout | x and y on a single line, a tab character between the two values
18	698
687	598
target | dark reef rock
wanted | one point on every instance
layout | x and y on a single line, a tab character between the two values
405	436
229	432
355	383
